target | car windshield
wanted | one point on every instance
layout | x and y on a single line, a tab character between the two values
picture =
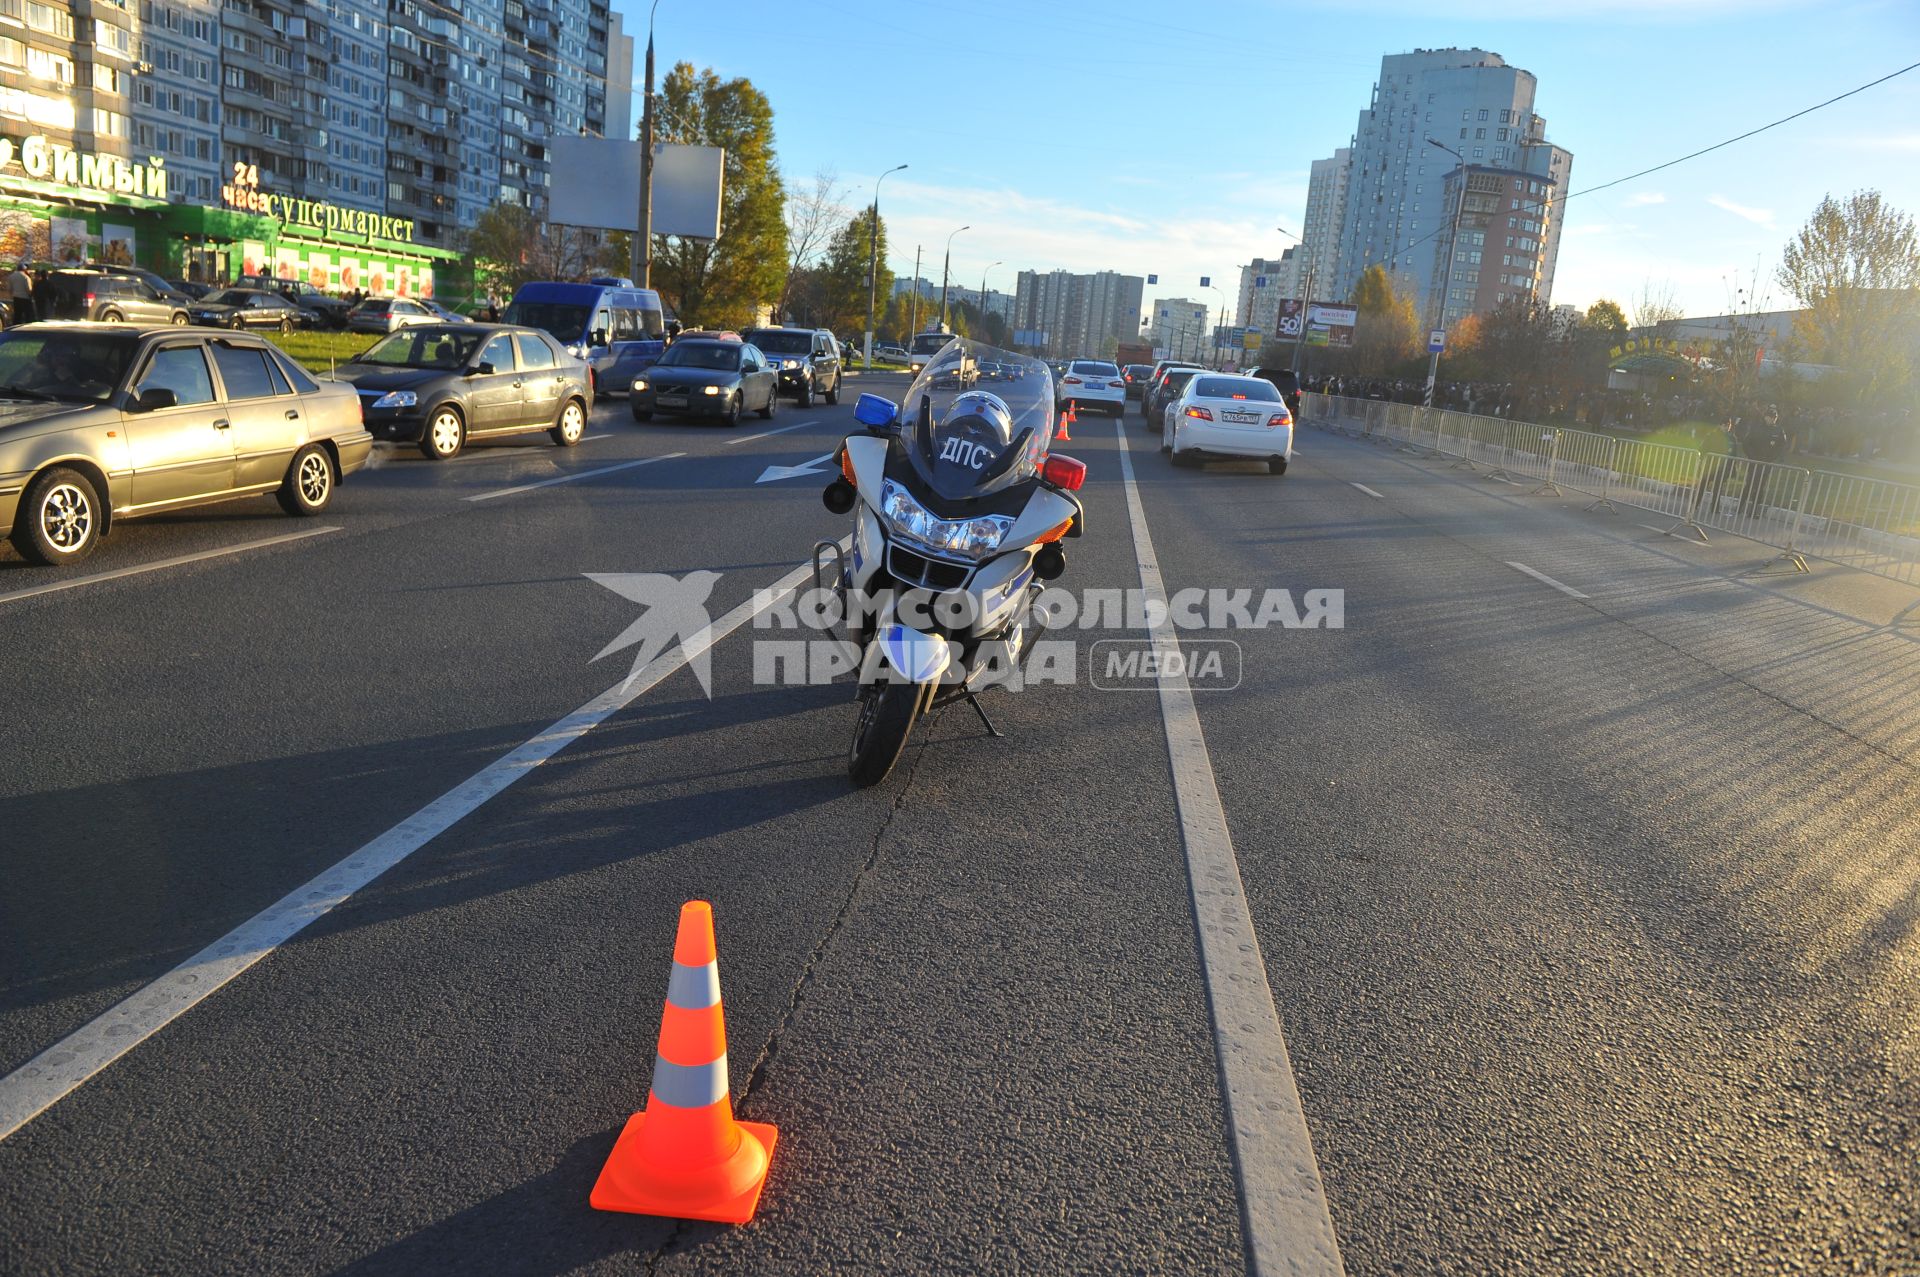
423	347
724	356
1236	388
76	366
930	343
1093	368
775	342
566	321
1176	381
228	297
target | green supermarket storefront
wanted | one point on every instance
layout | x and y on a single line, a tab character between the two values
67	206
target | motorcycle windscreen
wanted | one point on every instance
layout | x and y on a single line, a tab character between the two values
978	420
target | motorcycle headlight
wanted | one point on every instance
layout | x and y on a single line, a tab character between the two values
709	390
966	538
397	399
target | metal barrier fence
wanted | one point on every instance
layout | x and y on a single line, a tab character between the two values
1872	525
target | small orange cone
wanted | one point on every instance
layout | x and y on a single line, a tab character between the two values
684	1156
1071	417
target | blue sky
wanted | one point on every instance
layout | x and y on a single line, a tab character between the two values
1172	139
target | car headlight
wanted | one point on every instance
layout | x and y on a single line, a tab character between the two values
967	538
709	390
639	383
789	363
397	399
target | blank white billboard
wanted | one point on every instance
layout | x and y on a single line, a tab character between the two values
596	183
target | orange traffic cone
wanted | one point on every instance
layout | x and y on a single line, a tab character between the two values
1071	417
684	1156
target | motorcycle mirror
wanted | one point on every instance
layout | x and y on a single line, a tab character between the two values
838	497
874	410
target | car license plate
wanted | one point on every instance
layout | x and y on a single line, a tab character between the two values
1240	416
672	401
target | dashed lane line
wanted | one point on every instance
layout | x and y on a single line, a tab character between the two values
62	1068
1544	579
1285	1222
572	478
1369	491
768	434
180	560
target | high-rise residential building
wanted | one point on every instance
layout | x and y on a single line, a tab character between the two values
1182	327
1068	315
1508	237
1320	226
1263	283
344	142
1470	101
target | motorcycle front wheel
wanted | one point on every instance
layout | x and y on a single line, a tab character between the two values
887	717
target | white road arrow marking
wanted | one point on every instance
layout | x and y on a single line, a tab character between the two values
814	466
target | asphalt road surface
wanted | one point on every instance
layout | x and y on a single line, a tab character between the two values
1584	870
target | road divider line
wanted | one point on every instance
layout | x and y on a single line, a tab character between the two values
574	477
201	556
768	434
62	1068
1369	491
604	435
1285	1223
1544	579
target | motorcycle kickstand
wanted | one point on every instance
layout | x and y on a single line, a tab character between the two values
981	710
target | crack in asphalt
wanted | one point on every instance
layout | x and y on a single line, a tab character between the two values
757	1074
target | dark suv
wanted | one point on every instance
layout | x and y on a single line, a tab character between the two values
806	359
327	310
1285	382
114	298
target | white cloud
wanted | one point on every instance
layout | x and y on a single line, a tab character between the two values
1640	199
1762	217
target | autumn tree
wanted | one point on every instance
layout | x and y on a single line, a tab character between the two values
1385	336
1606	316
843	272
511	246
1855	267
812	213
721	283
1657	307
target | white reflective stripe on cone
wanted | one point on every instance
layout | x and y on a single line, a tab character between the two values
694	988
690	1086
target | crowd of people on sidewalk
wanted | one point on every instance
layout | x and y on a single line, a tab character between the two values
1821	431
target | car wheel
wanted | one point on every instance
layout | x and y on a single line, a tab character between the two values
731	416
833	391
642	416
804	399
445	434
308	487
179	318
573	424
773	400
58	520
235	322
1276	465
112	317
286	324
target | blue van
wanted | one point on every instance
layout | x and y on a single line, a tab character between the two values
607	322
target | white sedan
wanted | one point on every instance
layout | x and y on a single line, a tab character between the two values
1220	416
1092	383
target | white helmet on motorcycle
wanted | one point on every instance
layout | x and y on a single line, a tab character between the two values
981	416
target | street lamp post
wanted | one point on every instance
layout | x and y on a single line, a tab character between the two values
643	235
1306	301
946	269
1220	323
1437	315
983	291
873	257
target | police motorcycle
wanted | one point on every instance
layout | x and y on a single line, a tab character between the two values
959	509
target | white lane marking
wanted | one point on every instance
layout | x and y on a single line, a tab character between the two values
1649	527
577	475
815	466
1285	1222
75	582
58	1071
1544	579
768	434
607	435
1369	491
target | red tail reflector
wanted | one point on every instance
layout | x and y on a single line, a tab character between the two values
1117	385
1199	414
1279	419
1071	381
1064	472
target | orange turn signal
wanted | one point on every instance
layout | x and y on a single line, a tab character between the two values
1054	533
846	468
